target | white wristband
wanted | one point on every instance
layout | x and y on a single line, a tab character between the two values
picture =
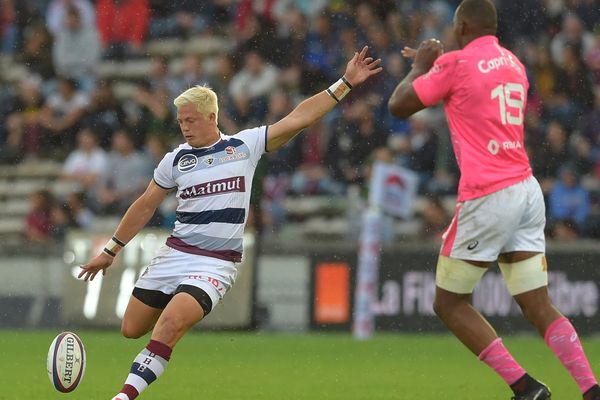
113	246
339	89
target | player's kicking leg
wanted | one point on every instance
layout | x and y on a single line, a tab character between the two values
187	307
142	312
521	269
455	280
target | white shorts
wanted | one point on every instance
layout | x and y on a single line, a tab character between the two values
511	219
171	268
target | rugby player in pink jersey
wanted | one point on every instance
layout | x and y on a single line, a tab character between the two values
500	214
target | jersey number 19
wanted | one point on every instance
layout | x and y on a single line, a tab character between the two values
505	100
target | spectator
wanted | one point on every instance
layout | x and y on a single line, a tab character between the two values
320	56
76	50
250	87
61	117
353	139
193	72
37	52
423	147
160	79
126	177
62	220
155	115
86	165
38	223
82	216
590	124
23	120
569	201
574	81
105	113
178	18
8	27
593	56
436	220
123	25
58	9
553	153
573	33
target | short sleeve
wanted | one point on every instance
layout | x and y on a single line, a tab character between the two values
256	140
436	85
163	173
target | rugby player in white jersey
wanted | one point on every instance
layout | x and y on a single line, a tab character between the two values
212	174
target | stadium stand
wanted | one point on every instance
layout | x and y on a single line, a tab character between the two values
303	187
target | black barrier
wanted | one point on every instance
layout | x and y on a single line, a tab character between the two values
406	291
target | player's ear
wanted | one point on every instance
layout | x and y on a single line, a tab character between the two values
212	117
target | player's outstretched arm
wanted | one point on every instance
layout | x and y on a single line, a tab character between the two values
358	70
404	101
136	217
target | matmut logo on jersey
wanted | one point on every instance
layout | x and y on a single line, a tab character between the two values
227	185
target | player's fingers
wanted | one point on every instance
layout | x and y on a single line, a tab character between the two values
363	53
375	71
409	52
368	60
83	271
375	64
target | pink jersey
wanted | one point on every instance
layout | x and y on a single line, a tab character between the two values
484	89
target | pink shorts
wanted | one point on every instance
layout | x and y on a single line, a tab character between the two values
511	219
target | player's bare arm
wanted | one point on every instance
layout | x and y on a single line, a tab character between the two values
136	217
358	70
404	102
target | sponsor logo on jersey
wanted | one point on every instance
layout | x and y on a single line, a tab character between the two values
487	66
208	160
227	185
229	149
493	147
187	163
511	145
234	156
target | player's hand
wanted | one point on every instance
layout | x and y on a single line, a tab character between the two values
361	67
99	263
428	52
409	52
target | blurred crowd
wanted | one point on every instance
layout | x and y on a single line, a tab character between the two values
280	52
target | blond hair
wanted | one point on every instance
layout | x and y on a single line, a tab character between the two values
203	97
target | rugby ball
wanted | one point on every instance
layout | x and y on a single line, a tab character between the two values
66	362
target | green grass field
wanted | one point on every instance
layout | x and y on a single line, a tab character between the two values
236	366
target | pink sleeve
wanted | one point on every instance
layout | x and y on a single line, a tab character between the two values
436	84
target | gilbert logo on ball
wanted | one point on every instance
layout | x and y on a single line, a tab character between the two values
66	362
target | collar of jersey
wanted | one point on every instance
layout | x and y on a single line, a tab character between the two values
208	147
480	41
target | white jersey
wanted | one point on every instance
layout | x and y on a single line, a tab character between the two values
213	192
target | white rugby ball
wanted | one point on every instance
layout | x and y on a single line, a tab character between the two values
66	362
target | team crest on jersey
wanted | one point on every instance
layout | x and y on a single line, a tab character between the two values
230	150
187	163
208	160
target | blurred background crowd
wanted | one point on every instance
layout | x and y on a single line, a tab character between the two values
88	85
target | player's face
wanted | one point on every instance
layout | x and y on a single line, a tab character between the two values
198	130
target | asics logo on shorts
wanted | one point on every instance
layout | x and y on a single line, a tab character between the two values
472	245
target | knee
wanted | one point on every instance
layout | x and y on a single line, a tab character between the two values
446	304
536	309
168	328
442	308
130	331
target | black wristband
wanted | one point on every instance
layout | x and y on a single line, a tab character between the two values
346	81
